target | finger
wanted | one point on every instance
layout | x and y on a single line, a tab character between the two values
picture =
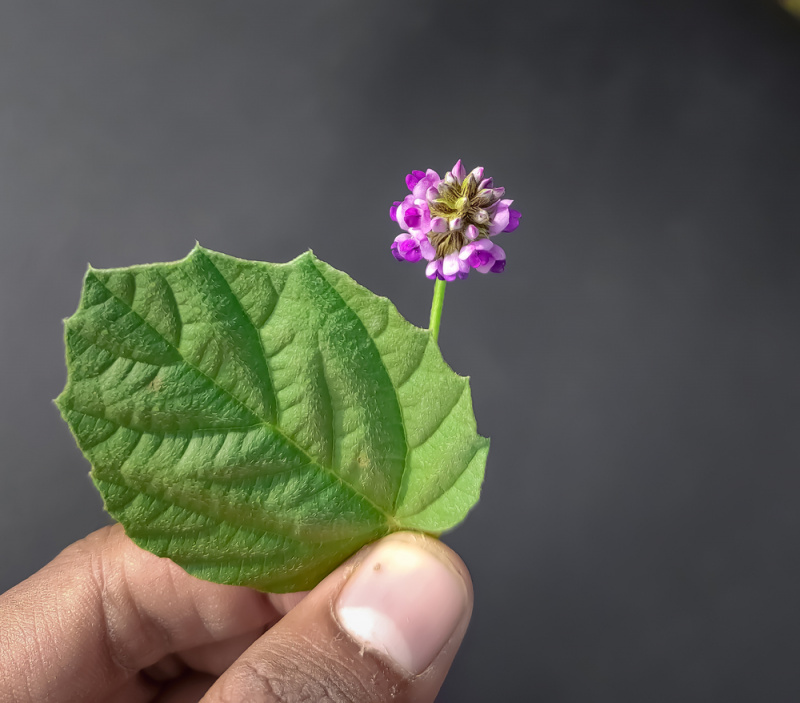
216	657
87	623
188	689
384	626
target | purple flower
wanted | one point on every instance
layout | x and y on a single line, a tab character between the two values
407	247
448	269
453	267
513	220
414	215
500	217
420	182
434	270
484	256
449	222
413	178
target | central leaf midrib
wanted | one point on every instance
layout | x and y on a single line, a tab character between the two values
162	493
401	412
311	461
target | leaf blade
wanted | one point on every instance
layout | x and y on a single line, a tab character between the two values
258	422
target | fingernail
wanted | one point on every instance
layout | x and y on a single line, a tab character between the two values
404	602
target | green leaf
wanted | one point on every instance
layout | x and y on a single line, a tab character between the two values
258	423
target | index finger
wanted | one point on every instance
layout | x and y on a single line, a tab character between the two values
84	626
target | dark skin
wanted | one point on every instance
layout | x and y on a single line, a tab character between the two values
107	621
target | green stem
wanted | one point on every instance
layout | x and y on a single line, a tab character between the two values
436	308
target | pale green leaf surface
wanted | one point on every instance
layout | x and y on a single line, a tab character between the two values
258	423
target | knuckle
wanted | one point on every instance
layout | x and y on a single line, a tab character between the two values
300	672
127	636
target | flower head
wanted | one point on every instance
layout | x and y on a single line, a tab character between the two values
450	221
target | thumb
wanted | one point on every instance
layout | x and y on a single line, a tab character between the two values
384	626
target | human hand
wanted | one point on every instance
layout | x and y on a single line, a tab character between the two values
108	621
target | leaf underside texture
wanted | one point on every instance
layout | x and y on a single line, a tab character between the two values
258	423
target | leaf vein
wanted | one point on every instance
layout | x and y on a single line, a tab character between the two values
174	308
419	361
441	422
130	452
189	435
445	487
153	491
271	386
326	398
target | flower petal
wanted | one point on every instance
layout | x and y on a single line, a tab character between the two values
413	178
434	269
450	265
466	251
427	249
514	217
499	220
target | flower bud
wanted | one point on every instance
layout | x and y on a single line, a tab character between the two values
459	171
439	224
469	187
483	198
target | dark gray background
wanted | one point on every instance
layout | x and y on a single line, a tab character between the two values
636	365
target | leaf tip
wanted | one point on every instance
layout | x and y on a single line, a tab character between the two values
60	401
305	257
197	250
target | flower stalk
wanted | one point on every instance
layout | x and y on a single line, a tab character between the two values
436	308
